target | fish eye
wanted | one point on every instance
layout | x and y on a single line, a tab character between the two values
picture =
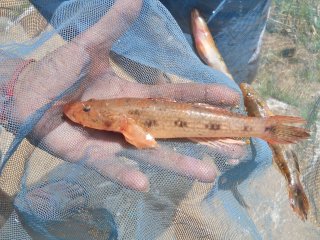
86	108
248	94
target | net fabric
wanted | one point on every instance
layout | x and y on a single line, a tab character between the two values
70	196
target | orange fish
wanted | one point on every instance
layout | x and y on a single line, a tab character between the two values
143	120
205	44
285	158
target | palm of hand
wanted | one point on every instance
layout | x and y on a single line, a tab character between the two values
98	149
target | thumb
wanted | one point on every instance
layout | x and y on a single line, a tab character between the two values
111	26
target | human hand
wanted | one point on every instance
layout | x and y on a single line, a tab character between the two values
87	56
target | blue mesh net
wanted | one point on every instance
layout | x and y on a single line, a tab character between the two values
61	181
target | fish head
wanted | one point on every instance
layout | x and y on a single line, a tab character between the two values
203	39
248	91
194	14
81	112
199	26
253	102
249	96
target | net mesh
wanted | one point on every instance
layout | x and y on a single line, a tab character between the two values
61	181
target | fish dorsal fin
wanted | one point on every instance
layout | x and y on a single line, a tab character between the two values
216	110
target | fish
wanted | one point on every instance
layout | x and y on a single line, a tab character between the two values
142	120
205	44
285	158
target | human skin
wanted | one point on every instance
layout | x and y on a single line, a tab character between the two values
40	82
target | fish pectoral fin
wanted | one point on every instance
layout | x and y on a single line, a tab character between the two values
136	135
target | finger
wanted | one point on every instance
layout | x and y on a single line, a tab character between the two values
97	152
181	164
120	173
111	26
226	152
232	149
215	94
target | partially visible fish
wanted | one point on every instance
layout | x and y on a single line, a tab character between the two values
205	44
284	157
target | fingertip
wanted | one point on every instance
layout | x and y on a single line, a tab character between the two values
203	171
206	173
135	180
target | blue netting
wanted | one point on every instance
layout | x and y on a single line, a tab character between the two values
76	183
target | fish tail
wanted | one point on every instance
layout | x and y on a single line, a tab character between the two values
278	133
298	200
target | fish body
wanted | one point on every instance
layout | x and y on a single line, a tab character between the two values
142	120
205	44
284	157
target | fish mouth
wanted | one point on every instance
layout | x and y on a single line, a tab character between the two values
68	110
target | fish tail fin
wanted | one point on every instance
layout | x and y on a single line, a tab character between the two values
276	132
298	200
